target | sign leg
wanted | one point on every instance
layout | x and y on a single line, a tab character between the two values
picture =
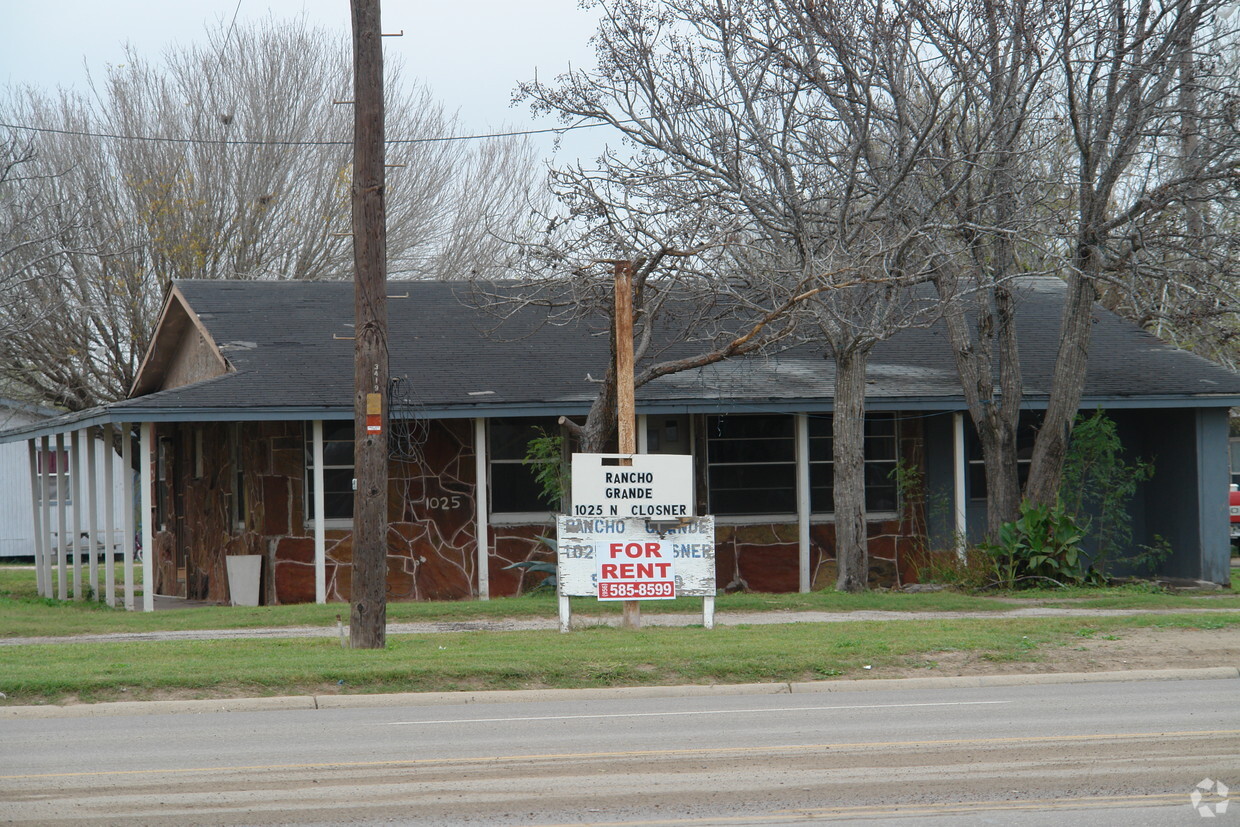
566	614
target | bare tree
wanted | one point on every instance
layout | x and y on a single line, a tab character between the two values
774	140
1182	281
990	166
1120	83
1090	141
229	159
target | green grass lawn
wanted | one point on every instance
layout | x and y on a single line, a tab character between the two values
594	656
591	657
24	614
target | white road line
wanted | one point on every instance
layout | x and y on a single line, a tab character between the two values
672	714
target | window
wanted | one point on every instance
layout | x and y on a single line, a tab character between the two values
1235	460
238	500
163	491
881	456
513	487
199	457
1026	434
337	470
51	464
752	464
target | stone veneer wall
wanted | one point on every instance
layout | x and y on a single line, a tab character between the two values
431	538
199	521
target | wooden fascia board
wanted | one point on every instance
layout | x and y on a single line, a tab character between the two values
167	335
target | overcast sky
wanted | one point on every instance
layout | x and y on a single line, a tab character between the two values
471	54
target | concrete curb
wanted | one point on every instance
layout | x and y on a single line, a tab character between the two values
311	702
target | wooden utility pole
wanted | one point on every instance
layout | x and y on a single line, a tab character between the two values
626	409
368	613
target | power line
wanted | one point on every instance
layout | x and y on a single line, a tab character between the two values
438	139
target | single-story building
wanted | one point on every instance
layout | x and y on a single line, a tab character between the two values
20	499
243	415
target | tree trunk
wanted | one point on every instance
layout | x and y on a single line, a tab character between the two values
1067	385
368	614
998	440
995	416
848	431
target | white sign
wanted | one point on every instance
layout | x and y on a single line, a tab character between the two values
653	486
619	559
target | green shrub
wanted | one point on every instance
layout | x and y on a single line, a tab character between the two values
1043	544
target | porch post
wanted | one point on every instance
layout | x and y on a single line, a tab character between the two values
803	499
960	470
62	569
145	454
320	530
127	493
643	435
45	506
92	514
75	484
109	517
481	507
35	508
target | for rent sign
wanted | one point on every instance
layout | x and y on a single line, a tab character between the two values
627	559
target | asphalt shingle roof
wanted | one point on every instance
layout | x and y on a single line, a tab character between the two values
290	344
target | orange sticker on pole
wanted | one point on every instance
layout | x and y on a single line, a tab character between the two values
374	413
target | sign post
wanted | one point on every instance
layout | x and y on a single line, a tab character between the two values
626	406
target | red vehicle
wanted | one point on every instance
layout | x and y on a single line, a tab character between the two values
1235	513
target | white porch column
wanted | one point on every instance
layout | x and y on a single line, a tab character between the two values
643	435
109	518
127	493
75	483
35	508
320	529
47	486
91	487
481	508
145	455
960	470
62	531
803	499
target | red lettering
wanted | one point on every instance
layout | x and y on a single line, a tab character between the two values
645	570
652	550
633	549
626	571
608	570
662	567
616	550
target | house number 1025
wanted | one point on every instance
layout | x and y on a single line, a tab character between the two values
444	503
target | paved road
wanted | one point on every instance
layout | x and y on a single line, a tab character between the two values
1107	753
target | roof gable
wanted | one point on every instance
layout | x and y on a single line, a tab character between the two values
182	351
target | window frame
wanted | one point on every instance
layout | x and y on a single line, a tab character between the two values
329	520
238	502
868	462
498	516
1027	426
48	489
713	437
818	515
